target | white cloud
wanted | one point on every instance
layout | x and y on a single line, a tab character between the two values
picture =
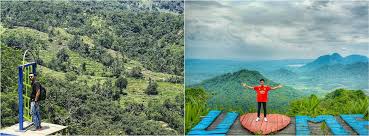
281	30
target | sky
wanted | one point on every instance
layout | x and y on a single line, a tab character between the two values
266	30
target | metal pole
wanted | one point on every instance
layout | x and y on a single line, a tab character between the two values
24	56
20	98
34	65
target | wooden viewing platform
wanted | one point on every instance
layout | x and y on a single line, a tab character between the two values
228	123
47	129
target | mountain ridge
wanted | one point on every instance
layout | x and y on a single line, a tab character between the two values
332	59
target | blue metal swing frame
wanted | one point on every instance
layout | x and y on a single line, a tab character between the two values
24	84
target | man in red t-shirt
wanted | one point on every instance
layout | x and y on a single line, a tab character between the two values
261	96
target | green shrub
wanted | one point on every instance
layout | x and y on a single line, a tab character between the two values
121	83
152	88
340	101
136	73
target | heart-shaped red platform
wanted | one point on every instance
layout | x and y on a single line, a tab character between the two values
275	123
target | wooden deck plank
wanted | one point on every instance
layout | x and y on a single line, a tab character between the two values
237	129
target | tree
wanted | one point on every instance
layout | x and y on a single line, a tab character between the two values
25	39
105	40
140	33
61	62
75	43
107	89
152	88
83	67
117	67
136	72
106	59
62	55
10	59
75	104
121	83
9	102
71	76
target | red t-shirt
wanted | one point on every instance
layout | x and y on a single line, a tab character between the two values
262	93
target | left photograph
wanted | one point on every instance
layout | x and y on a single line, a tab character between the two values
92	67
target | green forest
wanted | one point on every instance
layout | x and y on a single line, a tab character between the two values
110	67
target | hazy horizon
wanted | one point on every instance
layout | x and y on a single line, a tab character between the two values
266	59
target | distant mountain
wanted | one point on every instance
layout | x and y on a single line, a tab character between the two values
229	94
353	75
354	70
333	59
354	59
325	77
282	75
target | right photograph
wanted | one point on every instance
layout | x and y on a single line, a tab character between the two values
276	67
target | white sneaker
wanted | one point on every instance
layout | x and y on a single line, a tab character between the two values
257	119
265	119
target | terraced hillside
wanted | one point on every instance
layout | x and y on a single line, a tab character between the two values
107	66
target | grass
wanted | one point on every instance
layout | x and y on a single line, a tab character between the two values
2	28
134	63
34	33
62	34
75	59
193	112
60	41
91	80
136	92
195	107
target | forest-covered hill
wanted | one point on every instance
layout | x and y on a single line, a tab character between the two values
110	67
227	92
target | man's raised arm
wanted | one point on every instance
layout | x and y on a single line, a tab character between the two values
246	86
276	87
